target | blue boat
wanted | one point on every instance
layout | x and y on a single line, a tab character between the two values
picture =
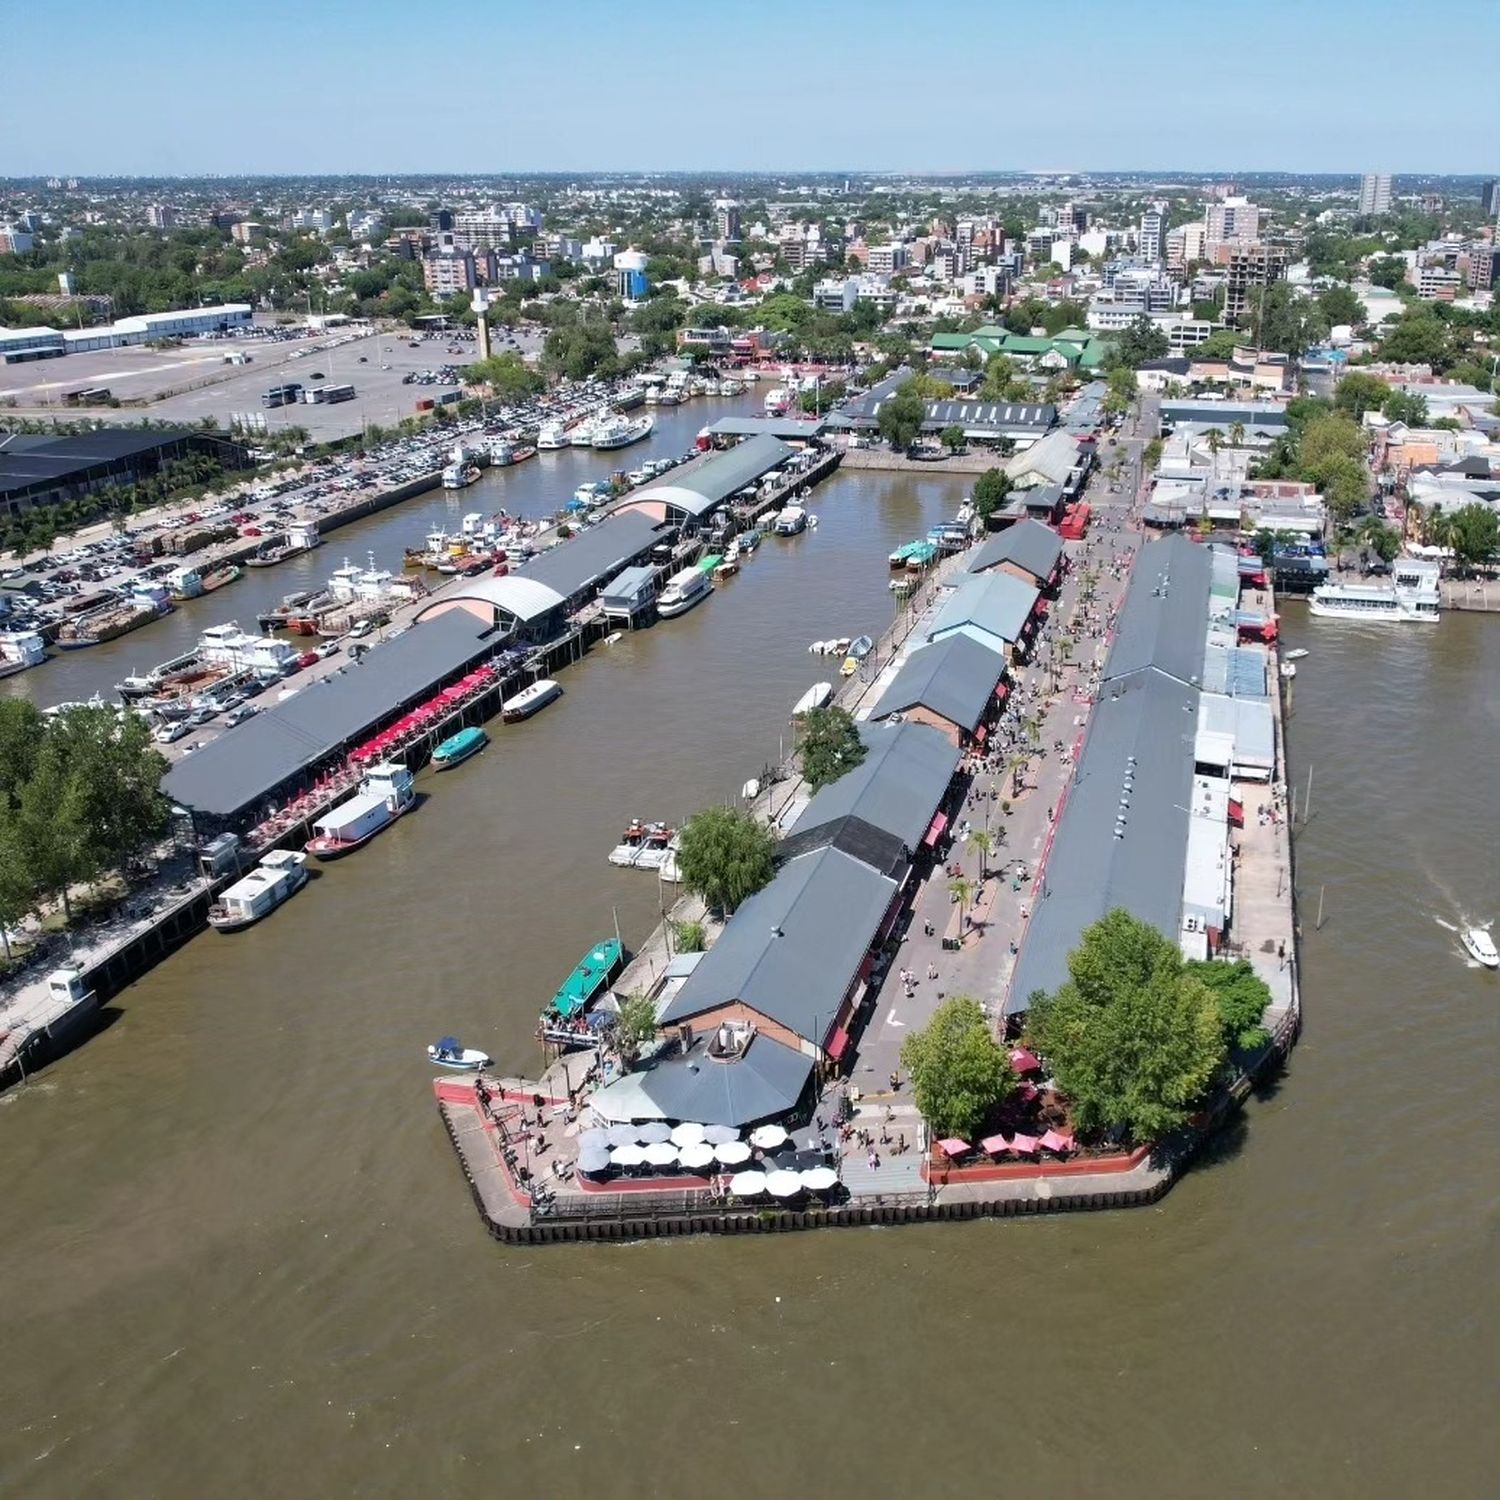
457	748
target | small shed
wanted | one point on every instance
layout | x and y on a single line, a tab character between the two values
630	595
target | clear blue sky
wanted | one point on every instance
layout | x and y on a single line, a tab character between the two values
194	86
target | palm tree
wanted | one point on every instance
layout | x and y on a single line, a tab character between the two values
1215	440
982	840
1236	434
961	888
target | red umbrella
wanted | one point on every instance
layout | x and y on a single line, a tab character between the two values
1024	1143
1024	1061
1055	1140
995	1144
952	1146
1027	1092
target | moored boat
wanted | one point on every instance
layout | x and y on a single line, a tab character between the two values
859	648
689	587
815	697
277	878
590	977
449	1052
530	700
457	748
384	795
620	432
790	520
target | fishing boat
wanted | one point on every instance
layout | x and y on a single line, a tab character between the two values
449	1052
386	792
457	748
530	700
277	878
815	697
1480	946
591	975
859	648
684	589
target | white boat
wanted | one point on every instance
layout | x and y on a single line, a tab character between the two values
621	432
778	401
581	434
669	870
449	1052
530	700
1480	946
1289	669
552	436
789	521
751	789
1411	595
277	878
386	792
815	697
683	590
1297	654
459	476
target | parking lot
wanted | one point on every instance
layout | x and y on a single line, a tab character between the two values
375	364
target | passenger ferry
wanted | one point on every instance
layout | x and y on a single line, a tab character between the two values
457	748
684	589
530	700
621	432
552	437
459	476
384	795
1412	594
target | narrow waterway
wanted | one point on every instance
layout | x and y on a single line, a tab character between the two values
240	1258
537	487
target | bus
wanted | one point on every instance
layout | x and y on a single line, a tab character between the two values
281	395
330	394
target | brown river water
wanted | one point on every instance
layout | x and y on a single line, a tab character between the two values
239	1259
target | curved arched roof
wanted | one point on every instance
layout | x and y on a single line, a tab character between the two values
722	476
525	598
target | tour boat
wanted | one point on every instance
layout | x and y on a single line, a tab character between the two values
590	975
789	521
621	432
581	435
1480	947
778	400
815	697
457	748
449	1052
552	437
459	476
530	700
277	878
1411	595
685	589
384	795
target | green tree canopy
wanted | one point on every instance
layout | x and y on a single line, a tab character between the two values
960	1074
1133	1040
635	1025
900	417
1388	271
1121	391
1358	393
1419	338
1411	409
1473	531
991	491
952	438
725	856
1242	997
1341	304
830	745
507	375
1138	342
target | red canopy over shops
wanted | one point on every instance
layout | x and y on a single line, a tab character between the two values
935	829
1024	1061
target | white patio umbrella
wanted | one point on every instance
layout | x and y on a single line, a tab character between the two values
687	1134
595	1139
660	1153
747	1184
623	1135
720	1135
654	1131
768	1137
700	1154
819	1179
593	1159
783	1184
627	1156
732	1153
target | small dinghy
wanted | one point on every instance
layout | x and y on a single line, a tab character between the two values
451	1053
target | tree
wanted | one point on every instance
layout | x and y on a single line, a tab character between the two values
900	418
689	937
1411	409
1236	434
1286	320
1388	271
1132	1039
991	490
952	438
507	375
635	1025
982	840
1380	539
1215	438
1344	485
725	856
1416	339
1473	532
1121	392
1358	393
830	744
1242	997
1138	342
1001	382
960	1074
1341	305
961	888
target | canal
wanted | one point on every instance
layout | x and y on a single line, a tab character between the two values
239	1257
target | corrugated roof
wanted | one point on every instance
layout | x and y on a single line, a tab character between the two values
993	604
954	678
250	763
1162	621
1052	459
792	950
1030	545
897	786
721	477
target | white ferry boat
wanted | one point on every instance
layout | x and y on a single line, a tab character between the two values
386	792
530	700
1412	594
778	401
552	437
620	432
459	476
789	521
685	589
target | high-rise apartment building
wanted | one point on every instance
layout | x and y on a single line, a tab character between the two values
727	221
1489	198
1231	220
161	216
1250	268
1375	193
1153	228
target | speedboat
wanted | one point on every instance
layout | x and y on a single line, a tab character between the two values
1480	946
449	1052
1297	653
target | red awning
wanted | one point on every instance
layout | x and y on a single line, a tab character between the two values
935	830
1002	691
981	734
837	1044
1024	1143
952	1146
1041	609
1236	813
1056	1140
1024	1061
995	1144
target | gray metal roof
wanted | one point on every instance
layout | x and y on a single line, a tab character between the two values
993	604
764	1081
791	429
897	786
721	477
792	950
1022	418
1165	613
1140	748
1030	545
248	764
954	678
628	584
595	554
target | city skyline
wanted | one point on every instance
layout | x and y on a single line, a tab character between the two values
347	89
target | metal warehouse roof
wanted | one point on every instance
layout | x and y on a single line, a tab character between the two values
1162	621
252	762
790	428
721	477
1030	545
792	950
997	605
954	678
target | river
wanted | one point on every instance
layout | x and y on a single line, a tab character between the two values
239	1257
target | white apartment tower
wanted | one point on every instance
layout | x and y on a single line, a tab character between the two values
1153	227
1375	193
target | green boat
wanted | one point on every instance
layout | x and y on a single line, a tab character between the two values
709	563
457	748
592	974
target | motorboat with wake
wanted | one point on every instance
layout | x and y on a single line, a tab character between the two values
449	1052
1480	946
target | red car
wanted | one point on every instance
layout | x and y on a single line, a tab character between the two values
308	658
251	531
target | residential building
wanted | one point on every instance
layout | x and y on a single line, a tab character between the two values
161	216
1250	268
319	220
886	260
836	295
449	271
14	240
365	225
1437	283
1489	198
727	221
1184	245
1375	193
1152	230
987	281
1232	221
247	232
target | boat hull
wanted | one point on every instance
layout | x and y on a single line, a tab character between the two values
441	762
521	707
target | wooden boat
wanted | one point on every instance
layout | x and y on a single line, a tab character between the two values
457	748
530	700
859	648
449	1052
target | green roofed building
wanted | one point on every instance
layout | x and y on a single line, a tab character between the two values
1072	349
